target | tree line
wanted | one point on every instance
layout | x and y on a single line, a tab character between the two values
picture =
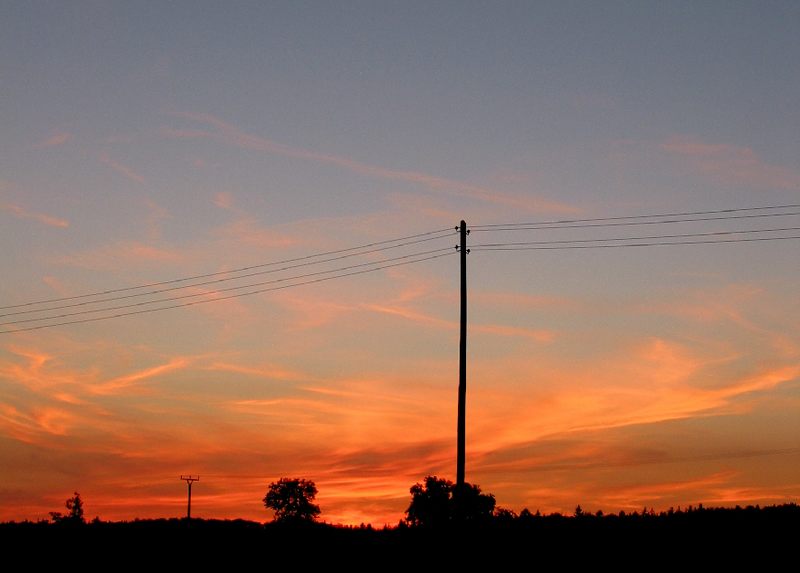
438	503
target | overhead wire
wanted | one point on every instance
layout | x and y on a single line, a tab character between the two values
237	295
647	216
540	227
641	238
442	232
218	291
214	281
511	247
194	281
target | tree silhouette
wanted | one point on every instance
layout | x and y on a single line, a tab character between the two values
469	504
438	501
75	515
430	502
291	500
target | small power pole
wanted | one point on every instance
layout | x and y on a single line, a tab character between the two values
462	359
190	479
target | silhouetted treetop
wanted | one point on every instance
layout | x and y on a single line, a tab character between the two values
437	502
75	511
292	500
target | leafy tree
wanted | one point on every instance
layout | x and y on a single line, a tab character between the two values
430	502
292	500
437	501
75	514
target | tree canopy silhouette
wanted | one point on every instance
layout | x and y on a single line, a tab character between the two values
292	500
437	502
75	514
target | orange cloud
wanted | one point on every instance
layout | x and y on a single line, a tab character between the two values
234	136
23	213
267	371
731	164
491	329
122	383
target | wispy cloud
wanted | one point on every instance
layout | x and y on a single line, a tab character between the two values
23	213
156	214
540	335
223	200
122	169
59	138
730	163
122	383
247	231
236	137
113	256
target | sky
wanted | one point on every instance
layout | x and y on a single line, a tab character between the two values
145	142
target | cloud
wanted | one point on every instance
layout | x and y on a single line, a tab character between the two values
155	216
223	200
26	427
730	164
122	169
236	137
247	231
122	383
59	138
266	371
115	256
23	213
490	329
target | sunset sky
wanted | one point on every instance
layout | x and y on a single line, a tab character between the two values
143	142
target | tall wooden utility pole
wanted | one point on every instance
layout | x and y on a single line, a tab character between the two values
189	480
462	360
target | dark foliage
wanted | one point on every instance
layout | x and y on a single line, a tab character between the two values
292	500
437	502
74	515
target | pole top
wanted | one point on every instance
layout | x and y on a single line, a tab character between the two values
190	478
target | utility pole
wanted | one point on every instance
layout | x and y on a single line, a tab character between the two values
462	360
190	479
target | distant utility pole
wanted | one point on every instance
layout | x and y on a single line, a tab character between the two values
462	359
190	479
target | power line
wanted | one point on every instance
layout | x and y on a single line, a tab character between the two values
538	226
442	232
259	291
678	214
643	238
510	247
218	291
215	281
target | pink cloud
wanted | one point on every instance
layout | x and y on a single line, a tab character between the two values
122	169
236	137
23	213
247	231
223	200
56	139
112	256
155	216
730	164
